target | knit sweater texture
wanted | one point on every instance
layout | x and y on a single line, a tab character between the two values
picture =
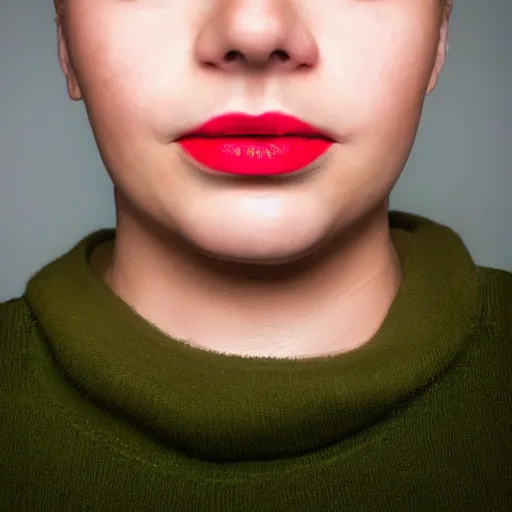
102	411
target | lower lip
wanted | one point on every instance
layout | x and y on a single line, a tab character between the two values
255	156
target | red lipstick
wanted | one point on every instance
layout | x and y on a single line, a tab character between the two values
264	145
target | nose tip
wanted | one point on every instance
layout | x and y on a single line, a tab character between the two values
268	33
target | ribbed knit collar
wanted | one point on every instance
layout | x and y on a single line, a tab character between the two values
229	408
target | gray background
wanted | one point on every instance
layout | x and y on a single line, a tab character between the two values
54	190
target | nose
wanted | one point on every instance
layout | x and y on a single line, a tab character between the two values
240	34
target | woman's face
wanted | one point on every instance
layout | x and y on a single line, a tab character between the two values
149	70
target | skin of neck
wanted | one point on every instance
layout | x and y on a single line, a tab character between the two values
330	301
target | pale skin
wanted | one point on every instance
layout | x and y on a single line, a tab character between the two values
299	267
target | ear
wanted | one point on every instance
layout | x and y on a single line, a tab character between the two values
442	46
65	63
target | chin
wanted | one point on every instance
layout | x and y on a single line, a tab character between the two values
283	239
262	248
270	254
264	226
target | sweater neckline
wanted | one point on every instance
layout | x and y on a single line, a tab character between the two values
228	408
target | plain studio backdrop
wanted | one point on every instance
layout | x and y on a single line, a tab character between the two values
54	190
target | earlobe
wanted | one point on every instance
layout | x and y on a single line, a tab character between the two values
66	66
442	48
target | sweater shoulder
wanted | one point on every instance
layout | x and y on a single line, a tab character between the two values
15	325
495	289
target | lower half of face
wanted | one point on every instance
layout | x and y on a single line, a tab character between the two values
150	72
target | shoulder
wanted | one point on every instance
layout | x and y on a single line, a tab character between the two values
15	323
12	311
495	299
496	289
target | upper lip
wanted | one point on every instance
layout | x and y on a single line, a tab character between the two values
267	124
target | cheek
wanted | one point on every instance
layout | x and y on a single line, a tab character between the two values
377	68
129	76
393	85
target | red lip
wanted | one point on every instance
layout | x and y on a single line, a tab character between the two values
264	145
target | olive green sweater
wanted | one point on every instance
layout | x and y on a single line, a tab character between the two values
101	411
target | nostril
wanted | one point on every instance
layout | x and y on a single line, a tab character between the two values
232	55
280	55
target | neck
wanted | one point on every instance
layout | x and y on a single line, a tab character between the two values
331	301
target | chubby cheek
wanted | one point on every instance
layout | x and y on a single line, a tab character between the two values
378	61
128	76
392	90
382	133
388	93
376	79
131	96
